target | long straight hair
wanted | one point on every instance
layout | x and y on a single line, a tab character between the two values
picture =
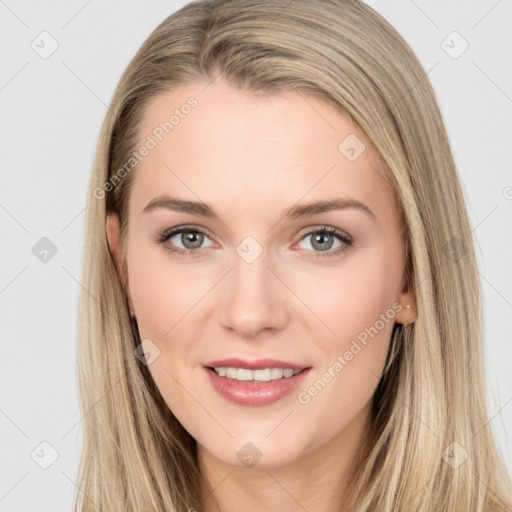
430	447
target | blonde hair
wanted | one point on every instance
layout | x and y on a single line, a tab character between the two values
136	455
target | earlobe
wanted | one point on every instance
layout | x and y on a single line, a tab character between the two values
113	230
408	312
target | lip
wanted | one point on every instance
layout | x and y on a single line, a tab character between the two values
258	364
256	394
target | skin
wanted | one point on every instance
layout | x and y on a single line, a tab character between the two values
252	156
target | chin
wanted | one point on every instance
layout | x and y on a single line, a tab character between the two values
258	451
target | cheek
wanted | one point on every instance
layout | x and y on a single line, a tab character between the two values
359	307
161	295
161	298
354	298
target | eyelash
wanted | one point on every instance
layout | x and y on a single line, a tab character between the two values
340	235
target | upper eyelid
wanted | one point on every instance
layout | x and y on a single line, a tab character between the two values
168	233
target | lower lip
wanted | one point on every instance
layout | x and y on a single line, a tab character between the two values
252	393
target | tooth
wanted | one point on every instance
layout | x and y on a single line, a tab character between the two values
263	375
231	373
244	374
276	373
260	375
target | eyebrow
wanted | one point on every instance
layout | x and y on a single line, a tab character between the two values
295	212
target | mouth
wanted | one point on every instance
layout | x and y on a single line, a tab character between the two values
255	383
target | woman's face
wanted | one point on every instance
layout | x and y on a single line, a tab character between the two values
255	277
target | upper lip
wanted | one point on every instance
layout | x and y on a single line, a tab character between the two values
258	364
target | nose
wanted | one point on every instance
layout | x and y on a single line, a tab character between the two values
253	298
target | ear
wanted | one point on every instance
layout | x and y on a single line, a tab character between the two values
116	248
408	313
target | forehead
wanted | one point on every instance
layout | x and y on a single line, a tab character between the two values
228	146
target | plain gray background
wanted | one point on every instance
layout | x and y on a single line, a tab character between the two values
51	112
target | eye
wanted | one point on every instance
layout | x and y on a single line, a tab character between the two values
323	239
190	237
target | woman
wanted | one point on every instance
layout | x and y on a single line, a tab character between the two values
282	307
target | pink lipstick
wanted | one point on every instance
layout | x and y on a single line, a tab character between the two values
255	383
